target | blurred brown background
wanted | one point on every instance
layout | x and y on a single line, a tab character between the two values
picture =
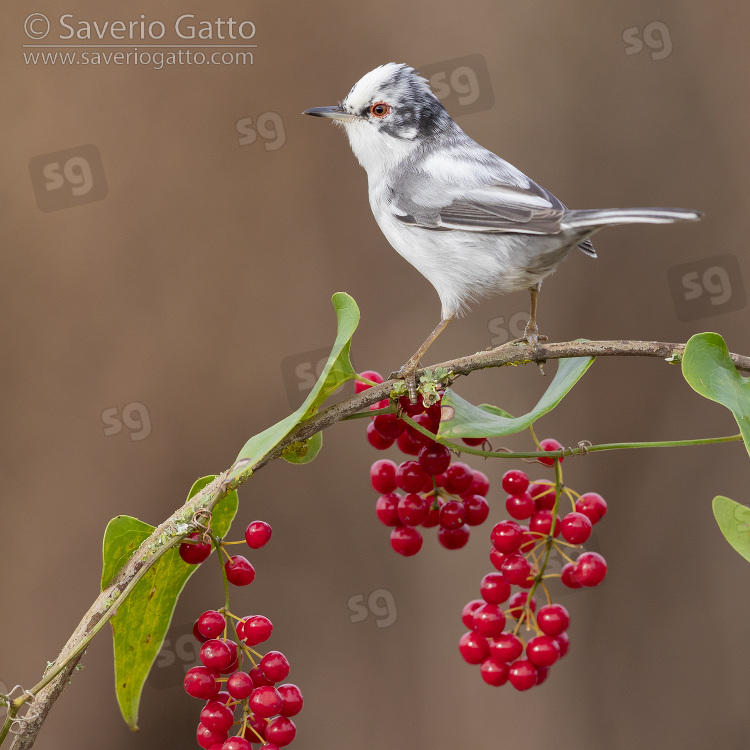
180	302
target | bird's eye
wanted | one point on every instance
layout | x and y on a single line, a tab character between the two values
380	110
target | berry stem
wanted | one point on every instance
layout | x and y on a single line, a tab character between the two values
218	546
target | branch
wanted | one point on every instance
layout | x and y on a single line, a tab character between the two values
165	536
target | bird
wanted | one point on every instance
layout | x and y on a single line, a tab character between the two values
471	223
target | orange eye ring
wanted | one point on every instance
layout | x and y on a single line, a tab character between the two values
380	110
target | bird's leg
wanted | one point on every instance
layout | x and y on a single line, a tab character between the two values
407	372
531	332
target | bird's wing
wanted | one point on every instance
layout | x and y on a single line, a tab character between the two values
455	191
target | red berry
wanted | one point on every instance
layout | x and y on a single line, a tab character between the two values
198	635
405	540
515	568
280	731
494	672
517	603
458	478
467	614
591	568
453	538
520	506
376	377
568	576
410	477
195	553
275	666
240	685
222	696
506	536
473	647
435	412
239	571
217	653
477	509
200	682
553	619
528	541
473	442
385	403
543	651
255	726
386	509
217	717
495	589
291	698
434	459
433	517
257	534
515	482
233	665
592	505
452	515
388	426
549	445
543	494
413	509
506	647
542	673
522	674
211	624
207	737
496	558
258	678
423	420
256	629
489	620
564	642
407	445
576	528
375	440
541	523
383	476
238	743
480	485
411	409
265	701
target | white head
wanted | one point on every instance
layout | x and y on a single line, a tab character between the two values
388	113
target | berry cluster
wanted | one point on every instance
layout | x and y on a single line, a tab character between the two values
266	706
434	490
520	554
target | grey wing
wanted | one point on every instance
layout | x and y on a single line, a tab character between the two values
451	193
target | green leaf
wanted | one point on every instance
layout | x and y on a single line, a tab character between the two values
734	523
143	617
337	371
490	421
305	451
709	370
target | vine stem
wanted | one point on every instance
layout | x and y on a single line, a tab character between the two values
167	535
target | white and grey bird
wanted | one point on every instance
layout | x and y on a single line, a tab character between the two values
467	220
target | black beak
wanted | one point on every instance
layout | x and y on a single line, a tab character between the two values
332	113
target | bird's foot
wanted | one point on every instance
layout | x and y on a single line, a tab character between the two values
532	337
408	373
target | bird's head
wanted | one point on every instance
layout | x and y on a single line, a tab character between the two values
387	113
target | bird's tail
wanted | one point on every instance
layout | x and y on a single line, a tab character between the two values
601	217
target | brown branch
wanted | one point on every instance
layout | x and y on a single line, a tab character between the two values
147	554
